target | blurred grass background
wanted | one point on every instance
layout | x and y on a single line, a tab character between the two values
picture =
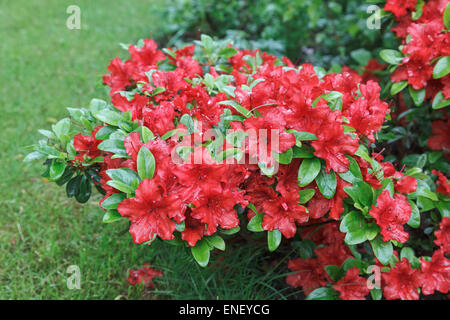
45	68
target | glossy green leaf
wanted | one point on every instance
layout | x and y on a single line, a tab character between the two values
145	163
305	195
200	252
441	68
308	171
383	250
324	293
216	241
327	183
254	224
113	201
273	239
111	216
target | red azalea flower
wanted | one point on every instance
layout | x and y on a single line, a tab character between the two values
310	274
146	274
282	213
443	185
352	286
151	211
136	105
391	214
400	7
194	229
333	254
443	235
401	282
159	119
406	185
214	206
332	144
416	71
323	234
435	274
87	145
147	55
441	138
120	76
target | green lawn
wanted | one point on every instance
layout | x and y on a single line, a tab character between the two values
45	68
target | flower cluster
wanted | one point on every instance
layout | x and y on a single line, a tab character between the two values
200	141
424	59
266	94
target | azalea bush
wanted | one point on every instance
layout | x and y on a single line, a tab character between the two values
206	143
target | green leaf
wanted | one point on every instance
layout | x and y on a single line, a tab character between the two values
444	208
355	236
273	239
145	163
442	67
398	86
227	52
308	171
68	173
353	174
446	16
114	146
201	252
439	102
254	224
85	189
187	120
62	127
56	170
407	253
372	231
146	134
108	116
73	186
216	241
353	220
113	201
303	136
158	90
169	134
285	157
111	216
391	56
383	250
36	155
123	179
414	220
335	272
323	293
305	248
230	231
104	132
236	105
305	195
423	189
362	56
418	96
376	294
302	152
361	192
97	105
327	183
